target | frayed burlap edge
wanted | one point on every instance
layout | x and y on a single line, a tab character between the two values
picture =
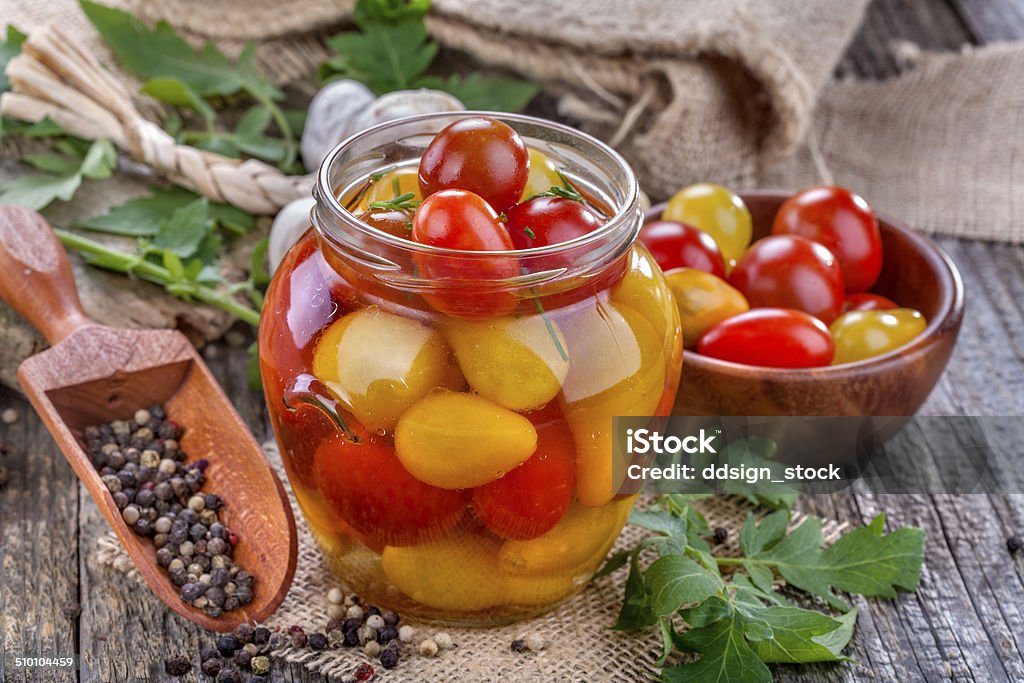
580	643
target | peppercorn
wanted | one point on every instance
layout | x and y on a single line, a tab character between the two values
444	641
242	659
372	610
389	657
406	633
260	665
228	676
335	596
535	642
277	641
721	533
243	595
178	665
375	621
1014	543
336	612
227	644
372	648
391	618
317	641
387	634
261	635
208	651
518	645
130	515
297	638
190	591
363	672
211	667
351	637
428	648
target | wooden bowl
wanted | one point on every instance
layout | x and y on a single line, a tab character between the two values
916	273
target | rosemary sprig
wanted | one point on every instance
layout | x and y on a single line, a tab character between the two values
403	202
549	325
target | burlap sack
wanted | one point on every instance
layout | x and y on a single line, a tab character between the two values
581	647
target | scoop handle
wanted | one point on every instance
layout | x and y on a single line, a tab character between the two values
35	276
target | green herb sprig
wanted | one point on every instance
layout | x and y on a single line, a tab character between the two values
739	623
392	51
62	172
402	202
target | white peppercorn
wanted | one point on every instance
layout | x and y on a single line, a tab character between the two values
354	612
335	596
443	640
375	621
428	648
406	633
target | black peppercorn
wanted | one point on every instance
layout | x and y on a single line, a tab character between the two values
179	665
228	676
351	637
207	651
1014	543
261	635
211	667
227	644
387	634
391	618
518	645
721	533
389	657
371	610
351	624
191	591
243	595
242	659
317	641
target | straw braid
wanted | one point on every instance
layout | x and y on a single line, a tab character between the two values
56	77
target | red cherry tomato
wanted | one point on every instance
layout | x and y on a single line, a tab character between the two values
458	219
677	245
393	221
769	337
544	221
371	491
529	500
789	271
866	301
478	154
843	222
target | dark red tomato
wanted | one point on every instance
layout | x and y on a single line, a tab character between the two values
865	301
842	221
461	220
677	245
370	491
478	154
769	337
529	500
789	271
391	221
544	221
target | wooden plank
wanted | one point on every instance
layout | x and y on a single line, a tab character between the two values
992	20
38	547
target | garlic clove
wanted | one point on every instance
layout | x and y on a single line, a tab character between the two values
395	105
331	118
289	225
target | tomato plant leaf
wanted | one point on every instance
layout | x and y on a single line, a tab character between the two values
725	655
184	230
673	581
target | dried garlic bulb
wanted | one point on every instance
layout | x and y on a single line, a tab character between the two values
395	105
289	225
331	118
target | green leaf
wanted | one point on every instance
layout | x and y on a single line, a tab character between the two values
637	611
708	612
864	561
262	147
479	92
254	121
161	53
837	640
142	217
174	265
178	93
257	264
725	656
184	231
10	46
673	581
52	163
793	634
383	56
756	537
617	561
37	191
659	521
100	161
45	128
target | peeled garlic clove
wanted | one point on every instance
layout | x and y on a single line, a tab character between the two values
395	105
331	118
291	223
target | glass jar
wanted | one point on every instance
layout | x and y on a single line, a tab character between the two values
446	423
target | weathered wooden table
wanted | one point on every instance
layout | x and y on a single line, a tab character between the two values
965	623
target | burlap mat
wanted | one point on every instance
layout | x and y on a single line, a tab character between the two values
580	643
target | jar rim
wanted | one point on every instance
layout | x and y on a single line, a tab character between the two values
326	197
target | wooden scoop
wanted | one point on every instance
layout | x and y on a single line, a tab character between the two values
94	374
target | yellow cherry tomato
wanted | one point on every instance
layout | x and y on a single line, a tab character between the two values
703	300
543	174
378	364
458	441
457	573
617	368
717	211
392	184
518	363
579	541
643	288
866	334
